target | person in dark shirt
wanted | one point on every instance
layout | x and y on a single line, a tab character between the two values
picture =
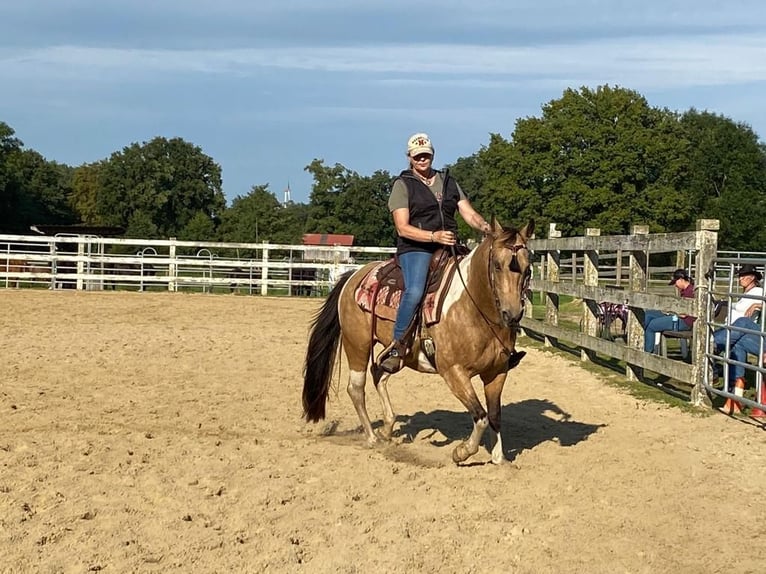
657	321
423	203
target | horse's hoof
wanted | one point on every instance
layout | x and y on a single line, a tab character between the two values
460	454
383	436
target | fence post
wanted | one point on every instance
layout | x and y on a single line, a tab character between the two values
590	279
637	279
172	267
265	270
618	269
553	274
707	247
80	266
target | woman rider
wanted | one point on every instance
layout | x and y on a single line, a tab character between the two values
423	203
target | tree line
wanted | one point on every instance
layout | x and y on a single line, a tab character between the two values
598	157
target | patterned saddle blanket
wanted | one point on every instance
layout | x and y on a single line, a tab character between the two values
380	291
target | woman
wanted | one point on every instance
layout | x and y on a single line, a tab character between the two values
423	203
742	312
742	315
657	321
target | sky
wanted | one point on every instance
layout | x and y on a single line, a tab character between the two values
264	87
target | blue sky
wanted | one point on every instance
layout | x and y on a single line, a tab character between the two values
264	87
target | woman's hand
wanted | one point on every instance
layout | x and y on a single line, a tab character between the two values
752	310
444	237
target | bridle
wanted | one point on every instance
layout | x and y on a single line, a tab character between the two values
513	266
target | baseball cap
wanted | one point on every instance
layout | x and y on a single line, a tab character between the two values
419	143
679	274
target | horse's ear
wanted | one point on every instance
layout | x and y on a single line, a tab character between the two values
529	229
496	227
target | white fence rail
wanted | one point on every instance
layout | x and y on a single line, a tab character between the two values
95	263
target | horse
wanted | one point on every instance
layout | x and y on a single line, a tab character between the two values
475	335
8	265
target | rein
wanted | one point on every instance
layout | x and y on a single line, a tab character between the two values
514	267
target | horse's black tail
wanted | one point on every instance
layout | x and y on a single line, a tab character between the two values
323	346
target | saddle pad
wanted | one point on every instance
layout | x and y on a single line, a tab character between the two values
381	292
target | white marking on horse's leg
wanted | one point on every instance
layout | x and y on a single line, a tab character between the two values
388	411
355	388
498	456
470	446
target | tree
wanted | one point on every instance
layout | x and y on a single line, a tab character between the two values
344	202
169	181
596	158
86	186
725	177
253	218
32	189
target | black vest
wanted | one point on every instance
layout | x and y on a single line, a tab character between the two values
426	212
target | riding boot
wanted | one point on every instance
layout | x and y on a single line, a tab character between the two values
393	357
732	406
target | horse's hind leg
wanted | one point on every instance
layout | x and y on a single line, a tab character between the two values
356	382
389	418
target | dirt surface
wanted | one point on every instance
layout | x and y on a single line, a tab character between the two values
163	433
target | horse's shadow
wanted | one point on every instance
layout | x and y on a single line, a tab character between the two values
524	426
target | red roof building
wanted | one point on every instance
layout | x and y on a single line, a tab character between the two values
328	239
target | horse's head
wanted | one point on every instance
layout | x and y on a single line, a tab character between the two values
510	269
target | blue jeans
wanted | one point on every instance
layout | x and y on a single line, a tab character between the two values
656	321
414	266
746	343
719	335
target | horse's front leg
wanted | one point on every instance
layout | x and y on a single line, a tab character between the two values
470	446
460	385
493	391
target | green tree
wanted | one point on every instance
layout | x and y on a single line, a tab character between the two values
10	193
200	228
344	202
86	186
253	218
596	158
725	177
32	189
168	181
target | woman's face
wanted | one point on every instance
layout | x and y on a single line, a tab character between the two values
746	281
421	162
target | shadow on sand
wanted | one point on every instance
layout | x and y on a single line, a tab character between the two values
525	425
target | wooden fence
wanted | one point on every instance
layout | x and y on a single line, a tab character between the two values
635	291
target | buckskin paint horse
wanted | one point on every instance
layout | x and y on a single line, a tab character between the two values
476	335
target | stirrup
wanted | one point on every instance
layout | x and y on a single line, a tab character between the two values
391	359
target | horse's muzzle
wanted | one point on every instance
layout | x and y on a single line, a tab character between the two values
511	319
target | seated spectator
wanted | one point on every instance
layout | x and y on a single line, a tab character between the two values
742	312
657	321
747	343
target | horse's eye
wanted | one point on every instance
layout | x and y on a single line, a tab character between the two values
497	265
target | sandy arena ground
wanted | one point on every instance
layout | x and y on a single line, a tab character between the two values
162	433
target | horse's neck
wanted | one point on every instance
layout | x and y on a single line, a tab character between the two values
473	277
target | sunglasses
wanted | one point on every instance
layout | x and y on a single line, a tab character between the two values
422	157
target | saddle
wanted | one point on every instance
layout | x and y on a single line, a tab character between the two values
380	291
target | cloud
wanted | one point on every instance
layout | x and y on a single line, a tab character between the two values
639	62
